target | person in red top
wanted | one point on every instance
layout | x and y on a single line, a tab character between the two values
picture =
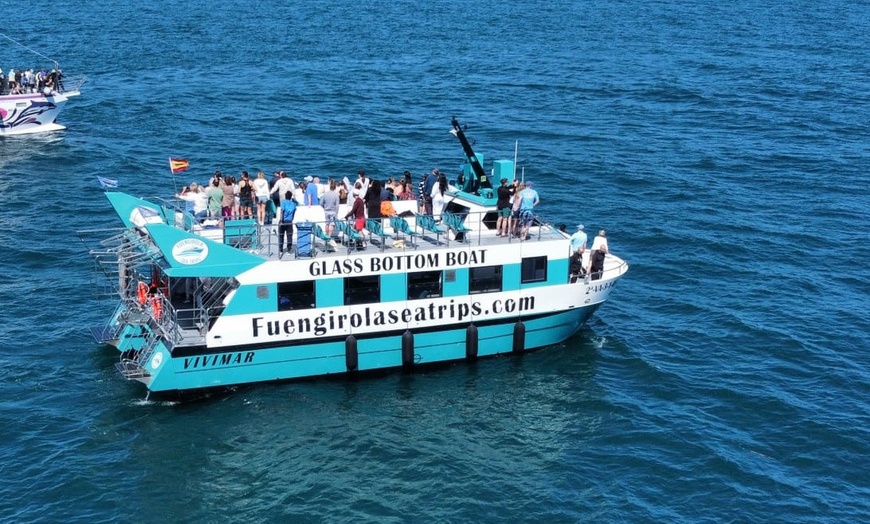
358	211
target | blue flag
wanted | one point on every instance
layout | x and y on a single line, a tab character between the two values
107	183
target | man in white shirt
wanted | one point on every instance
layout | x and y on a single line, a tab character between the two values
600	241
283	185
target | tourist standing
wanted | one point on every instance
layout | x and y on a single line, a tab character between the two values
578	240
285	223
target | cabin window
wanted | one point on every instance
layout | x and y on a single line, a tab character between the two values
534	269
296	295
362	290
424	284
484	279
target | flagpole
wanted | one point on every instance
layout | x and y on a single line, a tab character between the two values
174	182
516	148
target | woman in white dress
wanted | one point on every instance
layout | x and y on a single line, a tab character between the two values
261	193
438	201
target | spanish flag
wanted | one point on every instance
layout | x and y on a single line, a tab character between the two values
177	165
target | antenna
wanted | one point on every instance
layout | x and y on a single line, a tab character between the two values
516	148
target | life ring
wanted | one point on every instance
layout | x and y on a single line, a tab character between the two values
156	307
142	293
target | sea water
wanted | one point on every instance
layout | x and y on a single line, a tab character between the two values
723	146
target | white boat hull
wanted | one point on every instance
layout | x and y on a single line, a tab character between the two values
32	113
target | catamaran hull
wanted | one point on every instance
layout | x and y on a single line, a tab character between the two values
31	113
181	373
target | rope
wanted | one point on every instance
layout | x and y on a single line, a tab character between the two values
37	53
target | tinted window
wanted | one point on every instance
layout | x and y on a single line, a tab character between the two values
424	284
484	279
362	290
296	295
534	269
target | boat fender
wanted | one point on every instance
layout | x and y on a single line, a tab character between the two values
471	342
519	336
407	349
156	307
142	293
351	355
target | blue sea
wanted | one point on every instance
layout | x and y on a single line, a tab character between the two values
724	146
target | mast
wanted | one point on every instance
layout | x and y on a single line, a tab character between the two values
469	153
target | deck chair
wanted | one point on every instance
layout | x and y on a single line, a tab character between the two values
427	223
454	223
319	234
401	227
376	228
351	235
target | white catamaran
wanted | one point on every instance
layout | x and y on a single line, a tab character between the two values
215	306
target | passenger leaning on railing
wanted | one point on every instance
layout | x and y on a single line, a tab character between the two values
198	199
596	262
215	198
600	241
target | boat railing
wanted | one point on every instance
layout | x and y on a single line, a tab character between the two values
71	84
470	228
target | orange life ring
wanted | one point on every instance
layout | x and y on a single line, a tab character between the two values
157	307
142	293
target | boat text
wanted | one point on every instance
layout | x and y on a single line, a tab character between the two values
223	359
333	321
398	263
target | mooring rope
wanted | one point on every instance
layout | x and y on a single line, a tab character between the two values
7	37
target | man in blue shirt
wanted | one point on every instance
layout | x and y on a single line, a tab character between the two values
311	196
578	240
528	200
285	225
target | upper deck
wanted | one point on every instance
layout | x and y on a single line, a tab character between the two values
468	222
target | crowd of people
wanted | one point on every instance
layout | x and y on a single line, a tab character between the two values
276	199
594	268
260	197
23	81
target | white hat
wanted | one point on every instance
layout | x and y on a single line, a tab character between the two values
309	178
579	226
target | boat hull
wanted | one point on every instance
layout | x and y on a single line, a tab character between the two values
31	113
181	372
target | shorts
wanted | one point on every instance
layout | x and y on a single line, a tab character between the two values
330	218
262	200
527	217
504	212
245	202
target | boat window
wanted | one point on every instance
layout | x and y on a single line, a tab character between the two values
484	279
424	284
534	269
362	290
296	295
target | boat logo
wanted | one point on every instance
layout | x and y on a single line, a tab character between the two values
189	251
156	361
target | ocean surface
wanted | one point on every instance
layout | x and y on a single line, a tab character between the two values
724	147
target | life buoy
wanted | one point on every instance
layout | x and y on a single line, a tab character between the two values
142	293
156	307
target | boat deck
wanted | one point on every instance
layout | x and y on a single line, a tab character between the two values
411	232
